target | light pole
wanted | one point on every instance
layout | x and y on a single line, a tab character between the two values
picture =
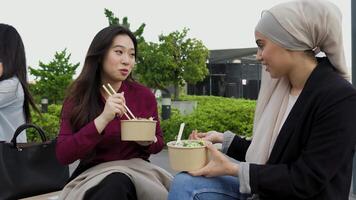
166	105
44	105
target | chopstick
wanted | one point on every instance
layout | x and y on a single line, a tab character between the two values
112	90
107	91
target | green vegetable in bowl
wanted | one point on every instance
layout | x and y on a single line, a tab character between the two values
193	143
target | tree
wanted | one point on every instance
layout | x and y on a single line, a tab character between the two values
176	60
52	79
153	67
113	20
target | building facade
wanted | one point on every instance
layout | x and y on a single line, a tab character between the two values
232	73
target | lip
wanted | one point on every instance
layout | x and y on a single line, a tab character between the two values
124	71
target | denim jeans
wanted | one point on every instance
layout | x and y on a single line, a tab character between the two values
187	187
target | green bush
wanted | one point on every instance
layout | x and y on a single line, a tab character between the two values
49	122
212	113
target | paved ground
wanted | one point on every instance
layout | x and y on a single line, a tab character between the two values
161	159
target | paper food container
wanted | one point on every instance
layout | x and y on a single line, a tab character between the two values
187	158
138	130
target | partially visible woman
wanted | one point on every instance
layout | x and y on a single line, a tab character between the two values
15	97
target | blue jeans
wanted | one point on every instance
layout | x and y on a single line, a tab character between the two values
187	187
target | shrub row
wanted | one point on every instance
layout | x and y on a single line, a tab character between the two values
49	122
212	113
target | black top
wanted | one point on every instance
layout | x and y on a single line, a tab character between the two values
312	155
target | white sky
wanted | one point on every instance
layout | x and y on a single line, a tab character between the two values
47	26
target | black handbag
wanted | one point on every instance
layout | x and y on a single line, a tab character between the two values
29	169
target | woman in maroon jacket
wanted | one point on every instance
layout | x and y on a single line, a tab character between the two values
90	121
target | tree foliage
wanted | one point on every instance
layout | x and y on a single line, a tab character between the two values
53	78
113	20
175	60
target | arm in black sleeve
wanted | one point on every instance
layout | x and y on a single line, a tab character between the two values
329	146
238	148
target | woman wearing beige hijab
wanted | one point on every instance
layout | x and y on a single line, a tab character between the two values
304	127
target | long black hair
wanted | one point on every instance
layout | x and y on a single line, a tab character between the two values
85	90
13	59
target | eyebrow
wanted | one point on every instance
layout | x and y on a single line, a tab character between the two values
122	47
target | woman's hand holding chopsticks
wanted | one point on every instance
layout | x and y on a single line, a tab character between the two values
115	105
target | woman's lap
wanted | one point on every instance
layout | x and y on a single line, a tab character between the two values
185	186
114	186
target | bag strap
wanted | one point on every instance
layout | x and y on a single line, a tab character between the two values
26	126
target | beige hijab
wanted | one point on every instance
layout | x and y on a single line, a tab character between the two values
300	25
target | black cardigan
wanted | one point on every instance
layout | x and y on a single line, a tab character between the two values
312	156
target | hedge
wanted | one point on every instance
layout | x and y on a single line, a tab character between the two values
212	113
48	121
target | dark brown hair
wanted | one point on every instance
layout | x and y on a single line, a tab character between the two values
84	93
